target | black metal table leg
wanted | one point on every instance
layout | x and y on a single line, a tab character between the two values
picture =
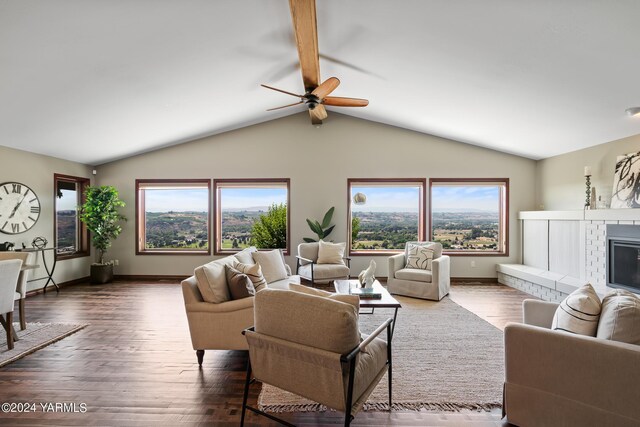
50	272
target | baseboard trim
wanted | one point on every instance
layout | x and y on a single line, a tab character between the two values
150	277
474	279
60	285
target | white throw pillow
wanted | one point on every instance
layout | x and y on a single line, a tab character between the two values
420	257
579	312
620	317
272	265
255	274
331	253
245	255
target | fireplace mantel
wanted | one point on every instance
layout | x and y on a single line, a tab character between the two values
584	215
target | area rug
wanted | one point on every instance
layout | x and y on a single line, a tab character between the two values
445	358
35	337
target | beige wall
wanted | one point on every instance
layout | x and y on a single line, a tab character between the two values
36	171
560	184
318	161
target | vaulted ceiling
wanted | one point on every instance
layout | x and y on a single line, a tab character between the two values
93	81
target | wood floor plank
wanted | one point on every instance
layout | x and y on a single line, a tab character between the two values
134	365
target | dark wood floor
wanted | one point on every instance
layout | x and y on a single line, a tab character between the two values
133	364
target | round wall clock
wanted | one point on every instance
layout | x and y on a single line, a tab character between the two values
19	208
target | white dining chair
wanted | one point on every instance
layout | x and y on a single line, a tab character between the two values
9	272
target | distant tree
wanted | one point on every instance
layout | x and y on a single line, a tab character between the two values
234	244
355	228
269	231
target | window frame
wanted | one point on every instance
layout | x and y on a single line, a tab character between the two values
140	232
239	183
83	238
503	214
422	182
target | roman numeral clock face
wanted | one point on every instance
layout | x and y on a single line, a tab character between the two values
19	208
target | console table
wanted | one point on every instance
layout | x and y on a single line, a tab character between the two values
48	269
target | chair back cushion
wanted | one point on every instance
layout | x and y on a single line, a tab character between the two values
308	320
437	248
309	251
22	280
9	272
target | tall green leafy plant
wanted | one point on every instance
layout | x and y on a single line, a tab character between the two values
100	214
323	229
270	230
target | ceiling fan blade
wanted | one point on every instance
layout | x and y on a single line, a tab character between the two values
285	106
305	27
339	101
326	87
318	114
283	91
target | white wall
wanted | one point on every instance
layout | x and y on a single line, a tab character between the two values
560	182
318	161
36	171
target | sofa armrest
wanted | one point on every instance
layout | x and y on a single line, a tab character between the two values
440	270
598	373
538	313
396	262
288	269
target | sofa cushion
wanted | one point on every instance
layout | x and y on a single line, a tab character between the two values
212	281
254	271
245	256
272	264
420	257
240	286
331	253
620	317
579	312
354	300
307	320
284	283
414	274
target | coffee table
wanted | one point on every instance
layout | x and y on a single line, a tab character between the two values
387	300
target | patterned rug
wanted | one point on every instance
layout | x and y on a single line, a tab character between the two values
445	358
35	337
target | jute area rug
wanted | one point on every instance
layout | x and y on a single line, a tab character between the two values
35	337
445	358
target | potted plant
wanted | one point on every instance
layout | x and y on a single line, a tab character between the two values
323	229
100	214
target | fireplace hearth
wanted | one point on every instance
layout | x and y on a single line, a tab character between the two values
623	257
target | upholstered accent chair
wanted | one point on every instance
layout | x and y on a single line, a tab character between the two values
9	273
308	268
554	377
310	345
21	290
428	283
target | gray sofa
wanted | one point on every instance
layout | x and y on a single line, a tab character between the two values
555	378
219	326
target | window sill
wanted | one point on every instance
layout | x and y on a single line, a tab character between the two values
475	253
376	252
173	252
61	257
226	252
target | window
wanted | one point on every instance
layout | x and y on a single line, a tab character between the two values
71	236
252	212
384	214
470	216
172	216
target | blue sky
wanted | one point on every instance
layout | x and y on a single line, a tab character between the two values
68	201
484	198
243	198
182	200
387	199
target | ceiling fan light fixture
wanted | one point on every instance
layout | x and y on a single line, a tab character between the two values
633	111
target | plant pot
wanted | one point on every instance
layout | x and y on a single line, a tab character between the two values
101	273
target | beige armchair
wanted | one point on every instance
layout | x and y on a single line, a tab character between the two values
307	266
558	378
21	290
310	345
431	284
9	272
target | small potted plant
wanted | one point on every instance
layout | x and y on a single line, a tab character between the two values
100	214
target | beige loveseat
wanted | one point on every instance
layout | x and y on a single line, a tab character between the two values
556	378
219	326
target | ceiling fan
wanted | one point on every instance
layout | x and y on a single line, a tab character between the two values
316	96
